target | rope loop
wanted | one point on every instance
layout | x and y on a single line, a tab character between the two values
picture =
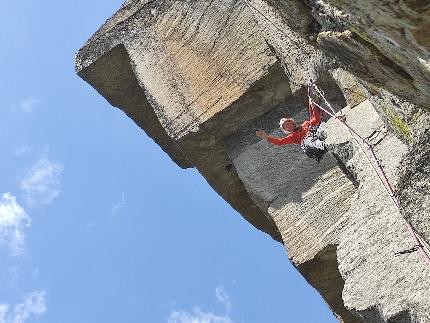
375	163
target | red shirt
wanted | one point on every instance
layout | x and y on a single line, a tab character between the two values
297	136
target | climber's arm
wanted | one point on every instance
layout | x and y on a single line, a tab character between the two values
274	140
281	141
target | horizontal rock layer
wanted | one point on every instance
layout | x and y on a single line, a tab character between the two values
199	77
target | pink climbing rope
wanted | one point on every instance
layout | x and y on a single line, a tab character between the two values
372	160
377	168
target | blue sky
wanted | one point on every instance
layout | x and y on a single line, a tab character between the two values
97	224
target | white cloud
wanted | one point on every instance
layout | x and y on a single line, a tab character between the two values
34	303
3	310
42	183
13	221
28	104
119	205
19	151
223	297
197	315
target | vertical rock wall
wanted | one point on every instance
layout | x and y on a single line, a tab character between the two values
201	76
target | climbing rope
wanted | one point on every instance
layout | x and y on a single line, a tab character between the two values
373	160
419	244
292	40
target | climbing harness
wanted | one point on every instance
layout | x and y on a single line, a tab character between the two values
362	143
313	144
310	150
373	160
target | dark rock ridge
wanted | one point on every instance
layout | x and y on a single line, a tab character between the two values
199	77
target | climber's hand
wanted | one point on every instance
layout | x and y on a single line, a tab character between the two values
261	134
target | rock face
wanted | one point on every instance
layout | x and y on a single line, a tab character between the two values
200	76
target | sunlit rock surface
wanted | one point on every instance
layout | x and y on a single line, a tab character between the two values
199	77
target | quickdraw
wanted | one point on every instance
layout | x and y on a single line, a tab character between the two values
371	157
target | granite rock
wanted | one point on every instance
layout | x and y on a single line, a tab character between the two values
199	77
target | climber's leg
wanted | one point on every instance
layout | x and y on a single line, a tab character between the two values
321	132
314	143
314	148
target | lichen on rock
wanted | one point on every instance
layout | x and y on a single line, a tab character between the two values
200	76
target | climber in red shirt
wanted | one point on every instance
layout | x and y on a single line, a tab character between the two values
308	135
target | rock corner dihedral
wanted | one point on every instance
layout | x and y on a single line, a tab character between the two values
200	77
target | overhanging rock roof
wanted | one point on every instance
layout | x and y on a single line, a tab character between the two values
189	75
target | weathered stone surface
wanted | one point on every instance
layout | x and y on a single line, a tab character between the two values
414	186
385	31
376	230
203	68
113	77
201	76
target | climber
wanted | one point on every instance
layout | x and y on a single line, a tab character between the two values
309	135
